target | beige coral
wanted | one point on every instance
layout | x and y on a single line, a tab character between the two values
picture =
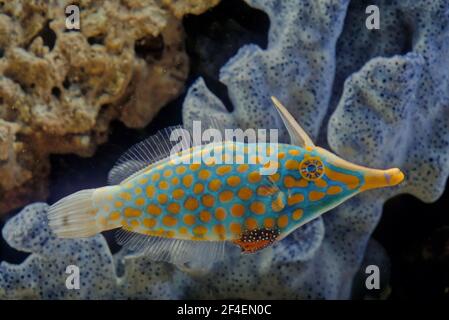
60	89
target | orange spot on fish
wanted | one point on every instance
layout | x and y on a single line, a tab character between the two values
198	188
162	198
191	204
134	224
180	169
131	212
140	202
316	195
150	191
283	221
268	223
350	181
237	210
163	185
195	166
143	180
220	230
295	198
235	228
200	230
254	177
233	181
167	173
290	182
215	185
205	216
208	200
155	177
294	152
222	170
169	221
149	222
126	196
189	219
183	230
321	183
297	214
334	190
154	209
251	223
226	196
220	213
187	180
114	215
178	194
257	207
204	174
174	207
242	168
292	164
245	193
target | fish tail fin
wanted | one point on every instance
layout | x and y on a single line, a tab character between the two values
74	216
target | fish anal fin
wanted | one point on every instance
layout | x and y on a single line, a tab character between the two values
157	246
252	241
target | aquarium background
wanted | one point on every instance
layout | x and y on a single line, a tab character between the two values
343	80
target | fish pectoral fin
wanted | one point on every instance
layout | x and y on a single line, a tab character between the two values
298	135
252	241
270	189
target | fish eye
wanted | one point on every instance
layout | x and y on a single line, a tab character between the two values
311	169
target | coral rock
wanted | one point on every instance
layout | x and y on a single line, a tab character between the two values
60	90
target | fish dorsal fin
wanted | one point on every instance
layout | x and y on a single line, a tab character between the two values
176	251
210	122
298	136
147	152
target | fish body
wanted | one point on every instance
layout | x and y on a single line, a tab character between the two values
224	199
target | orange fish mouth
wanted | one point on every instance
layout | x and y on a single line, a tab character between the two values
382	178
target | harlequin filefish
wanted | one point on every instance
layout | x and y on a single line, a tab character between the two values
179	212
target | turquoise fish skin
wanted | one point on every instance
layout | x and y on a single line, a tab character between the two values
221	201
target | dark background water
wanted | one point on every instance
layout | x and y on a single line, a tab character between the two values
415	235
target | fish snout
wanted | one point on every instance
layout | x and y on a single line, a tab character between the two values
382	178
